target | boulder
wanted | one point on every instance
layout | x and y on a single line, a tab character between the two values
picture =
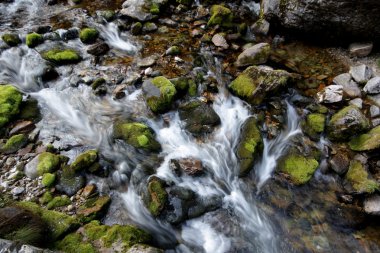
14	143
360	49
361	73
199	117
346	123
256	82
299	168
61	56
157	196
327	20
159	93
330	94
358	180
249	146
255	55
373	86
10	101
220	15
367	141
137	135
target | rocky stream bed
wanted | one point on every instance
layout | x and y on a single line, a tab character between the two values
189	126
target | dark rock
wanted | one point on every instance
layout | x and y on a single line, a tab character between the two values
190	166
69	182
22	127
49	74
98	49
340	162
360	49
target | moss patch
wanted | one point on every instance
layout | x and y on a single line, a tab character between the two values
10	100
88	35
34	39
14	143
359	179
220	15
48	179
46	198
11	39
367	141
299	168
161	102
157	196
47	163
94	208
58	201
61	56
73	243
85	160
314	124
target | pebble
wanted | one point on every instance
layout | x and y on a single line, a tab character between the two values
374	110
361	73
219	41
17	190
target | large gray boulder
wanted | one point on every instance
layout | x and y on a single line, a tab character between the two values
332	18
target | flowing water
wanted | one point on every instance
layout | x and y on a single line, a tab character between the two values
77	117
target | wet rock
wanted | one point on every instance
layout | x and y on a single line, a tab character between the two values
360	49
220	41
159	94
199	117
11	39
98	49
137	135
372	205
70	34
14	143
367	141
190	166
346	123
69	182
255	55
299	168
34	39
157	196
330	94
261	27
220	15
10	101
149	27
49	74
85	160
108	15
361	73
53	36
146	62
173	50
94	208
373	86
88	35
340	162
118	92
203	205
249	146
358	180
314	125
136	10
61	56
142	248
254	84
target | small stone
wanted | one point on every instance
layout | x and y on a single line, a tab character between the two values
331	94
148	71
219	41
361	73
374	110
358	102
373	86
372	205
146	62
190	166
17	190
360	49
261	27
149	27
98	49
174	50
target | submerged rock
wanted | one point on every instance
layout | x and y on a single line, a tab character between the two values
299	168
346	123
10	101
137	135
358	179
199	117
255	83
367	141
255	55
61	56
249	146
159	93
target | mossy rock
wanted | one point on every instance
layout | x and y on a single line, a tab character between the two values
108	15
94	208
47	163
14	143
359	179
10	100
346	123
11	39
69	181
367	141
220	15
314	125
137	135
46	198
251	143
58	224
95	237
97	83
29	110
62	56
85	160
299	168
157	196
58	201
88	35
21	225
255	83
159	94
34	39
155	9
48	179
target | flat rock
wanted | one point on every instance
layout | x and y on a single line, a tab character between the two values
361	73
331	94
373	86
146	62
360	49
372	205
255	55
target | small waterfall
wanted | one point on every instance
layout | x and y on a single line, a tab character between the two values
273	149
110	32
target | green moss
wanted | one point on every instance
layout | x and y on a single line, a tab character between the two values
359	178
11	39
162	102
27	234
34	39
47	163
367	141
158	196
108	15
10	100
314	124
299	168
98	82
46	198
88	35
58	202
58	223
250	144
220	15
85	160
193	88
155	9
73	243
48	179
94	208
243	86
61	56
15	143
